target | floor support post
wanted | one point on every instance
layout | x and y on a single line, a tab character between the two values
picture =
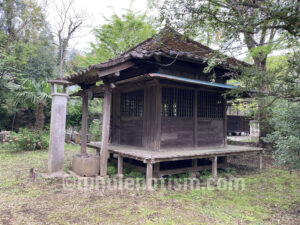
195	163
215	167
260	161
156	170
120	166
149	174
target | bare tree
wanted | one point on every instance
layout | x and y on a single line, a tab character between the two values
68	22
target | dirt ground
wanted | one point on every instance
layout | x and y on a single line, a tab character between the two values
270	197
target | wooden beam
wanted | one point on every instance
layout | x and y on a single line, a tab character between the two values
260	161
188	169
158	117
195	118
105	130
132	79
114	70
84	122
149	175
120	166
215	167
225	123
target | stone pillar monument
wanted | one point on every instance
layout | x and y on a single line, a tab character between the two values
57	127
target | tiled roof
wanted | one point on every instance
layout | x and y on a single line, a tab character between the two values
167	43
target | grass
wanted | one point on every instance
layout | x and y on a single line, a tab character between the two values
271	197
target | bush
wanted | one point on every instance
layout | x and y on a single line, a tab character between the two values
95	130
28	140
285	121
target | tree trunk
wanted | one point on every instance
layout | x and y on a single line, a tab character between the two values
261	62
39	116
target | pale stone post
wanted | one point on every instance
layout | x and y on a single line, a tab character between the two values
57	128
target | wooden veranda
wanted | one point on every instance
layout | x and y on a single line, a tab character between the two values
152	159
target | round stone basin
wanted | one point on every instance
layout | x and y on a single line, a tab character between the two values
86	165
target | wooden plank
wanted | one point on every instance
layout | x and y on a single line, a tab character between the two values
195	118
188	169
149	175
215	167
131	131
120	166
177	132
105	130
115	69
84	122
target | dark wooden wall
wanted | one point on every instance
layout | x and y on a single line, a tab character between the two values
177	132
125	130
152	116
154	132
210	132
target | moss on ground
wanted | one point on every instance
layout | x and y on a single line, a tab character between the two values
271	197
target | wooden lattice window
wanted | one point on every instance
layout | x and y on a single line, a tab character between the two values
132	104
210	105
177	102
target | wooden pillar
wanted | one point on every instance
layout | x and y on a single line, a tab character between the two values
215	167
195	118
158	117
149	175
156	169
260	161
84	122
225	123
195	163
152	116
120	166
105	130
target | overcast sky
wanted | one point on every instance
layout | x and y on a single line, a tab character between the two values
96	10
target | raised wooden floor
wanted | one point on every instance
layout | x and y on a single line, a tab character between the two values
152	159
175	154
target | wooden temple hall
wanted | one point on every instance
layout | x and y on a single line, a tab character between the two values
161	112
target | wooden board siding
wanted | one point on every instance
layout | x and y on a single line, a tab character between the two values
116	118
131	131
210	132
176	132
152	117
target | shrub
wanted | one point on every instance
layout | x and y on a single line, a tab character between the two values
28	140
285	137
111	169
95	130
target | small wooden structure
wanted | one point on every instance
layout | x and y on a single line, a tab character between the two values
159	105
238	124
